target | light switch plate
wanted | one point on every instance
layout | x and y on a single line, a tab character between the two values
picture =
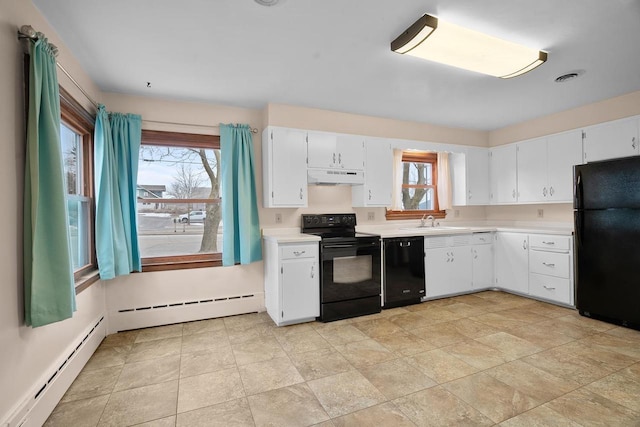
371	216
278	218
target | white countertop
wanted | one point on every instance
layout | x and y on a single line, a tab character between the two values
287	235
386	231
293	235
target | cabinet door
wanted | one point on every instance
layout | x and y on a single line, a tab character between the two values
503	174
350	152
300	289
512	262
287	168
477	176
378	173
322	150
437	281
532	171
460	275
482	266
611	140
563	152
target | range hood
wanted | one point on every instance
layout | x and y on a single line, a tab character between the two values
335	177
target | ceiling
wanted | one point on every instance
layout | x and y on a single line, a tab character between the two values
335	54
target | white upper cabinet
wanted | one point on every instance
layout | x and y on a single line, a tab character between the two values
502	166
564	151
321	148
545	167
284	167
477	176
340	151
470	176
611	140
378	175
532	170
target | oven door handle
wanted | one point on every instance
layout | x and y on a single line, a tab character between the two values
339	246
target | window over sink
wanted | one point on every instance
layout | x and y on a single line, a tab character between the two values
416	186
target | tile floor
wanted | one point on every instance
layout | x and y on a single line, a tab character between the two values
483	359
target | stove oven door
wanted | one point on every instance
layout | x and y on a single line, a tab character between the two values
351	280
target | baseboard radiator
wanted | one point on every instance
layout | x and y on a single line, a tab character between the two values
38	405
169	312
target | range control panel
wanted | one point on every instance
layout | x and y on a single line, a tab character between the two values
329	220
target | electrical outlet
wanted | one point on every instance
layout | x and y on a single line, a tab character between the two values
456	213
371	216
278	218
540	213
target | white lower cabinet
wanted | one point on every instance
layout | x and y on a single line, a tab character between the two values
538	265
448	264
551	268
292	286
512	262
482	260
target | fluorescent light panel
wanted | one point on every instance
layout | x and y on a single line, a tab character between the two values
435	40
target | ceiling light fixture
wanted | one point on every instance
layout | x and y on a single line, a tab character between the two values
267	2
436	40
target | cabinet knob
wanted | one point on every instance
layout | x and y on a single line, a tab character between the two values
633	142
513	194
369	194
339	158
334	158
551	191
524	244
312	272
544	191
300	193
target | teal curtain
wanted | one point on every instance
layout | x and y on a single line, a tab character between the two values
117	144
49	293
241	226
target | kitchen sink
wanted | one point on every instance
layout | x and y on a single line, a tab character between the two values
428	229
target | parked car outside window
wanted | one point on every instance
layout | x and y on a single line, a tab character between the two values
193	216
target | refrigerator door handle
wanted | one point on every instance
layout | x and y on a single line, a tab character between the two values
578	191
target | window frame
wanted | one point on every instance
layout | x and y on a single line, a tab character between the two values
75	117
420	157
187	140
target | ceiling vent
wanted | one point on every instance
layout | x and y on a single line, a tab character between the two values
569	76
267	2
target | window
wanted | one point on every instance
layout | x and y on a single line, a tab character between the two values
419	187
179	210
76	136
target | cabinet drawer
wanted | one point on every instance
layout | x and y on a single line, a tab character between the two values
298	251
481	238
460	239
550	288
557	243
549	263
436	242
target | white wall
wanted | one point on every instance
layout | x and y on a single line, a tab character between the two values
27	354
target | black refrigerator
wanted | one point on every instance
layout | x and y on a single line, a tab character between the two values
607	236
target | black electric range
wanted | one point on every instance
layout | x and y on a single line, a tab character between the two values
350	278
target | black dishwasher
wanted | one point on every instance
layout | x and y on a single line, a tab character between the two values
403	271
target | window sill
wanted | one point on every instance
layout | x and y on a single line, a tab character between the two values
414	214
181	262
87	279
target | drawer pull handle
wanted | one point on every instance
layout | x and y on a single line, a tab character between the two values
549	288
548	243
298	253
548	264
312	272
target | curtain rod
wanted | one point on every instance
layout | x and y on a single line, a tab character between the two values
27	32
253	130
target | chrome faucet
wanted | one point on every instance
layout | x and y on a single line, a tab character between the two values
430	218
